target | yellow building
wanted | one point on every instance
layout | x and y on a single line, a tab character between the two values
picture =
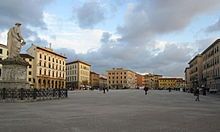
211	66
94	80
165	83
49	68
152	80
187	78
78	75
119	78
3	55
195	71
30	60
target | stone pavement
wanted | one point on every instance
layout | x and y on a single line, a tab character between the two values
115	111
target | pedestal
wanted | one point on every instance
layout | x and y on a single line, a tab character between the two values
14	73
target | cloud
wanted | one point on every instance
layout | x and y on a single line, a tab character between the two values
29	13
26	12
90	14
146	19
215	27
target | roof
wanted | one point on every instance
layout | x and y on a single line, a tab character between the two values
195	58
50	51
26	56
170	78
120	69
78	61
4	46
91	72
212	45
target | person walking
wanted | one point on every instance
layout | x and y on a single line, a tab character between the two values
104	90
145	90
197	94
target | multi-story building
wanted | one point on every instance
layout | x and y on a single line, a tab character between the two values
94	80
187	78
165	83
140	80
195	71
30	60
211	66
49	68
102	81
78	75
119	78
3	55
152	80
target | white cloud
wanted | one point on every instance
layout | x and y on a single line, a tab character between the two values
65	34
3	37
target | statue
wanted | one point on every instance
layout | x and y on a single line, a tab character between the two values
15	41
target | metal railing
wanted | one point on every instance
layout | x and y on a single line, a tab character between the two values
32	94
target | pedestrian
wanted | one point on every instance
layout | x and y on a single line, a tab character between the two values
145	90
169	89
197	94
104	90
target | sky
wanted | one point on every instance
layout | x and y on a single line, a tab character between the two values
159	36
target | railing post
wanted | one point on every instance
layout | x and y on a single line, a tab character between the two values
34	93
59	92
22	94
4	93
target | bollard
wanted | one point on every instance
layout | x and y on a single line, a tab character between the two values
66	93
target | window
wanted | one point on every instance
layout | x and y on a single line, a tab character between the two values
30	66
29	79
45	57
40	56
45	72
30	59
29	73
0	51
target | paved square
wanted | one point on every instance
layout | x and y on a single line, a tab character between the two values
115	111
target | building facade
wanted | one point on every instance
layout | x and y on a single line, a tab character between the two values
119	78
152	80
195	71
140	80
78	75
187	78
94	80
211	66
49	68
3	55
102	81
165	83
30	60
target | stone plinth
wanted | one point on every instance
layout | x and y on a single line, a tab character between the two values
14	73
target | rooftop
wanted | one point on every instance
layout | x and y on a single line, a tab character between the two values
78	61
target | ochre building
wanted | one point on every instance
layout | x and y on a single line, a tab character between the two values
3	55
49	68
119	78
78	75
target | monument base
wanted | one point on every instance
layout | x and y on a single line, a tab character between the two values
14	85
14	73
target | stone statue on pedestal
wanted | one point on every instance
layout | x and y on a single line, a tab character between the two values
14	41
14	68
